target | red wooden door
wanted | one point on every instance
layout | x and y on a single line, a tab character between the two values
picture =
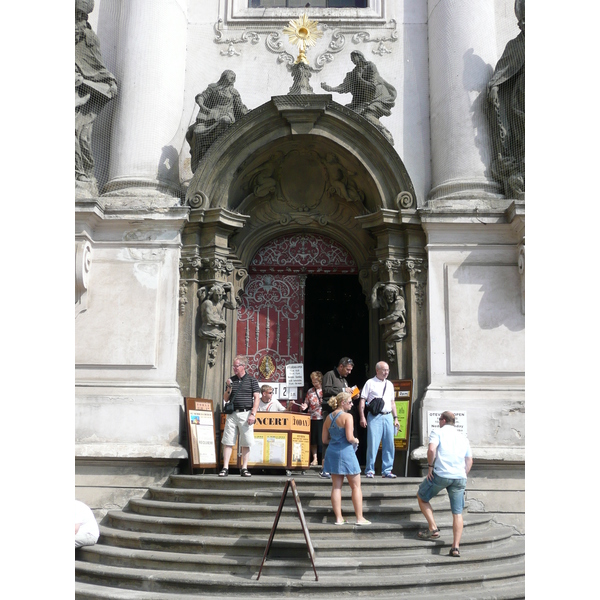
270	324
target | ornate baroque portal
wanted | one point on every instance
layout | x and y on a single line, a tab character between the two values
298	186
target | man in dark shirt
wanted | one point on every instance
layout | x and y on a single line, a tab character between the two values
243	390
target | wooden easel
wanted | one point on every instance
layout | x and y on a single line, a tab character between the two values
311	550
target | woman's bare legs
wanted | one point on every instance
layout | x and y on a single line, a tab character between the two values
354	481
336	496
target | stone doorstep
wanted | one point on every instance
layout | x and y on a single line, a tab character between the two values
488	591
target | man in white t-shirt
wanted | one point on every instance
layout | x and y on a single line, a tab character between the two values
449	460
267	403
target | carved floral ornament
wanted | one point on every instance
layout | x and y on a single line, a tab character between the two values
338	38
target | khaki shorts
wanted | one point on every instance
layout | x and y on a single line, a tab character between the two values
237	423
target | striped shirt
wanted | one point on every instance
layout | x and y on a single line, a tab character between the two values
243	391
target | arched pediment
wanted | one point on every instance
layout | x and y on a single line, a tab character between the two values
308	140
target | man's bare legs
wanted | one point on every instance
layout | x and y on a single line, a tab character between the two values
227	450
427	513
457	529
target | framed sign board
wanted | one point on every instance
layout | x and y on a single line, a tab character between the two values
200	420
403	399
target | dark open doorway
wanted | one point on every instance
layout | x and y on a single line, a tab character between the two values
336	325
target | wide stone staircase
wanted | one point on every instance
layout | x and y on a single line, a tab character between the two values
201	537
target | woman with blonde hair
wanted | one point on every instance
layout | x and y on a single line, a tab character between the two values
340	458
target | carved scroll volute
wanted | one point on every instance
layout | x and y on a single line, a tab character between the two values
416	273
83	263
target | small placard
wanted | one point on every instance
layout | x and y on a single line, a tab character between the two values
288	393
294	375
460	423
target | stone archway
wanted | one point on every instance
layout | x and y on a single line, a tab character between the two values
299	164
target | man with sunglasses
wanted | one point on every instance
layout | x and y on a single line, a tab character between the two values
449	460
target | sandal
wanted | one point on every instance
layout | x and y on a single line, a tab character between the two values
245	473
454	552
365	522
224	473
427	535
343	522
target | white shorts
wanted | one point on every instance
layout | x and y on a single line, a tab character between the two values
235	423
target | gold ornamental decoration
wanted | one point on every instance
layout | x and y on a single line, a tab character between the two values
302	33
266	367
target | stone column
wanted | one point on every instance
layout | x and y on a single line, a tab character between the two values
151	75
462	52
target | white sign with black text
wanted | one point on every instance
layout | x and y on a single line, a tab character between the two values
433	421
294	375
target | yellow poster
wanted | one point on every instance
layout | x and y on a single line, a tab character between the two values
300	450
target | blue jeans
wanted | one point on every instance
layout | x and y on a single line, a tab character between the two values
380	429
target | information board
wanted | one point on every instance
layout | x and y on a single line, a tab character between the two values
294	375
403	401
200	421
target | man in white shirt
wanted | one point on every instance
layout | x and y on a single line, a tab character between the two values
267	402
380	428
449	460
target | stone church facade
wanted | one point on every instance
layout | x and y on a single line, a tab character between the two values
298	185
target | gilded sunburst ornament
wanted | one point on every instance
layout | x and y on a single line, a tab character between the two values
302	33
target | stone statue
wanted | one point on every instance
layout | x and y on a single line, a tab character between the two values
220	105
372	96
94	87
506	94
213	303
389	296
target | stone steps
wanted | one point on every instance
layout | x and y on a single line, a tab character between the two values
376	561
360	584
483	534
201	537
287	527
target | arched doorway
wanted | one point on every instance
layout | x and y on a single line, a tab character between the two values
302	303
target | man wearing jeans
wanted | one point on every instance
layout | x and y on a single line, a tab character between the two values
449	460
380	428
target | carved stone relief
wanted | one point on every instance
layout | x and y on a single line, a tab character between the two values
302	185
275	44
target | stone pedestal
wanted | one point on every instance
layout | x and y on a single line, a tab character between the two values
128	405
462	52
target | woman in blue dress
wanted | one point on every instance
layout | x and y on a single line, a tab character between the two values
340	458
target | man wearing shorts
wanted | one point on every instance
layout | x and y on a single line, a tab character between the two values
449	460
243	390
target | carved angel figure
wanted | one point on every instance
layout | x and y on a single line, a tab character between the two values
390	297
213	303
372	96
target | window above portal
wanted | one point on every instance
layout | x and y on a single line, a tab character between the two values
271	12
305	4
